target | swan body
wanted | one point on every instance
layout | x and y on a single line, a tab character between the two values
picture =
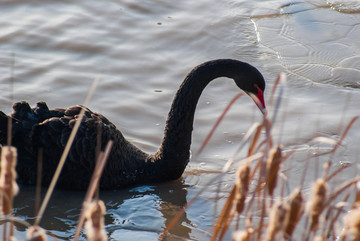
49	129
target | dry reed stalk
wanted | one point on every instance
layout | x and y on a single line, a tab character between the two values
276	83
235	202
282	81
337	171
38	180
94	225
208	137
255	139
242	144
317	203
295	206
9	131
241	187
352	224
357	196
276	221
262	218
93	186
65	154
35	233
268	125
272	168
225	217
339	207
339	190
229	201
339	142
352	121
258	188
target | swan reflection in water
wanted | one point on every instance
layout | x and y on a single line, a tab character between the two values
131	212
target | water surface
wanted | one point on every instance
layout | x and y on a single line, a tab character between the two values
141	50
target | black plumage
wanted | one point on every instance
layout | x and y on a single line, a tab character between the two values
49	129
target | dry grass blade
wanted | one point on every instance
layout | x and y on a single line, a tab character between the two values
272	168
65	154
255	139
172	223
268	127
11	90
352	121
94	226
15	220
100	164
94	183
330	176
357	195
276	83
208	137
9	131
12	77
282	79
225	217
38	180
339	210
236	201
243	142
342	188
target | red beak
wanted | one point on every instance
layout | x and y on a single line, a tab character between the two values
259	99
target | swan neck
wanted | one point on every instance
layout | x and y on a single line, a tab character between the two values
174	151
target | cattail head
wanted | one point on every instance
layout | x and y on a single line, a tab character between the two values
95	229
35	233
352	223
317	202
295	207
272	168
7	177
276	220
242	186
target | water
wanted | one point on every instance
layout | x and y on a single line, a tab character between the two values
141	51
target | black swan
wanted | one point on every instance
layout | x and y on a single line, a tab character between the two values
127	165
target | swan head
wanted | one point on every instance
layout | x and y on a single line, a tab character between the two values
252	83
258	98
